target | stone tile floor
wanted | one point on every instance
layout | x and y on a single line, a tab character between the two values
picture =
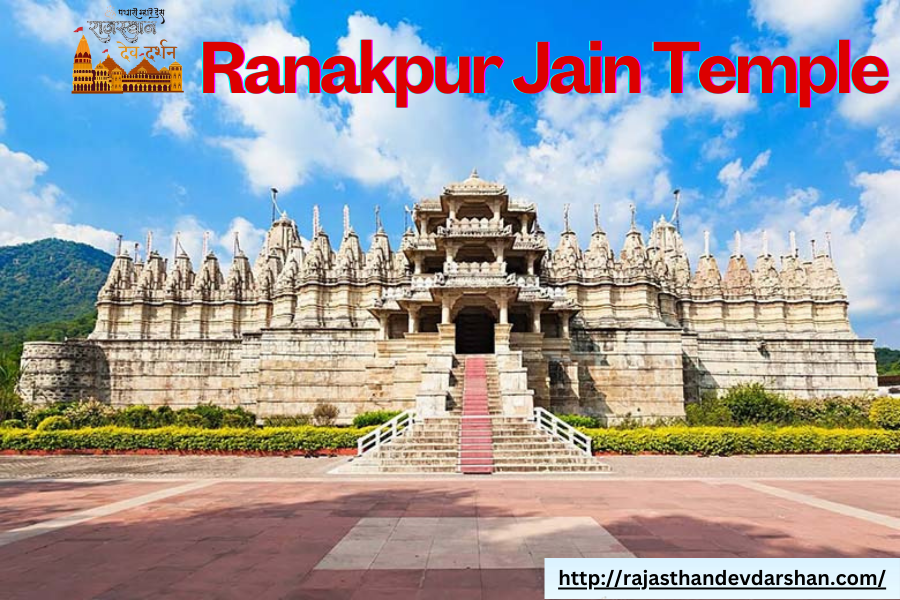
428	538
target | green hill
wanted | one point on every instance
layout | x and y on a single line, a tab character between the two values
888	361
49	281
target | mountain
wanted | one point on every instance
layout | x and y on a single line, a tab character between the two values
49	281
888	361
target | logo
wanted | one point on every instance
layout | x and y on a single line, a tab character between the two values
141	76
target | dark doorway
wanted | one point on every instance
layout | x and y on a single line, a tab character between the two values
474	331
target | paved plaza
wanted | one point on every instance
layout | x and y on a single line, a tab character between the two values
218	527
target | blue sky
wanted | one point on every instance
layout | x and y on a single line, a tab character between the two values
88	167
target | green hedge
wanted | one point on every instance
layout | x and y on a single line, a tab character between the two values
724	441
270	439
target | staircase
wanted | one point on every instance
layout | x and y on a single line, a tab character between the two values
474	438
476	427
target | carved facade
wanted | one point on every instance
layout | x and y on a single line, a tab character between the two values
635	333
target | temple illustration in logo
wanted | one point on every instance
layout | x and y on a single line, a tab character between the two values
107	77
636	333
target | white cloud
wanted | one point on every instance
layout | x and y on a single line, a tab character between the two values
190	231
721	146
174	116
738	180
50	22
876	109
810	25
605	148
32	210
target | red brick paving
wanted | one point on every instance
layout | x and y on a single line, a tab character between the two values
24	503
886	501
263	540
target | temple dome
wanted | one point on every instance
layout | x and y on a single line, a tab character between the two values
83	50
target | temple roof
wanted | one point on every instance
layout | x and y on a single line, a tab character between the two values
147	67
475	185
111	65
83	47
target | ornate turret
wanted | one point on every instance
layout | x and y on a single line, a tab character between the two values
824	282
599	257
794	279
738	282
240	284
633	260
707	281
350	260
209	281
766	280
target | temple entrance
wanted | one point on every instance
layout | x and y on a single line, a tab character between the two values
474	331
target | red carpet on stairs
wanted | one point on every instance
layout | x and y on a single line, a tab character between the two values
476	454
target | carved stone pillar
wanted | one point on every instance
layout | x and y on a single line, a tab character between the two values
536	318
413	319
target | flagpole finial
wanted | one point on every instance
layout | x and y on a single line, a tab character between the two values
737	243
316	225
793	237
566	217
765	241
706	243
346	220
378	226
596	218
633	216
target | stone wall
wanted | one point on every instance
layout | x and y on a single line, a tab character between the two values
609	373
807	367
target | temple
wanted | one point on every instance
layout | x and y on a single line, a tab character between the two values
634	334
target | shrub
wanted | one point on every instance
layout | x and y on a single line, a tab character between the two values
12	424
212	415
137	417
89	413
165	416
885	412
375	417
188	418
182	439
36	414
325	415
288	421
581	421
11	406
711	410
751	403
238	417
724	441
54	423
833	412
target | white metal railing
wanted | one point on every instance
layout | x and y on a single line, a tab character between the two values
561	430
386	433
